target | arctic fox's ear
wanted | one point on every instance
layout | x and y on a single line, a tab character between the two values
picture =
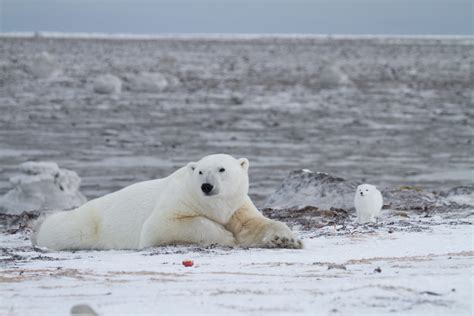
191	166
244	163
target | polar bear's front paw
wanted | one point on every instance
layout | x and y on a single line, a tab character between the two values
285	242
278	235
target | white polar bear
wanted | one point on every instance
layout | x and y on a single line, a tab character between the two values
203	203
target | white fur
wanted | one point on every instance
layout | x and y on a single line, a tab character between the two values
368	203
172	210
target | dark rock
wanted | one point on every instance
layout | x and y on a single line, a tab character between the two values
460	190
336	266
14	223
411	199
82	309
303	188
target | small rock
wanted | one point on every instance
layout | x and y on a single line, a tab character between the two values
336	266
378	270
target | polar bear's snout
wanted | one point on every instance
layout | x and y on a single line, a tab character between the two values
207	188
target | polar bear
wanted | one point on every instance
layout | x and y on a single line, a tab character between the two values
204	203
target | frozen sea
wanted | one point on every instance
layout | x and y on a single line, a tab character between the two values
393	111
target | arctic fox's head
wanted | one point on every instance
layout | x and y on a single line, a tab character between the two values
219	176
365	190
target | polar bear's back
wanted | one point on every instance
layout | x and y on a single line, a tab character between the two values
121	214
113	221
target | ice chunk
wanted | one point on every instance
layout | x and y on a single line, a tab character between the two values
146	82
107	84
331	76
44	65
42	185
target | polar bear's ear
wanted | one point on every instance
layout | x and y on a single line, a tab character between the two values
244	163
191	166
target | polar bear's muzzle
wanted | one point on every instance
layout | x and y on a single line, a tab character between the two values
208	189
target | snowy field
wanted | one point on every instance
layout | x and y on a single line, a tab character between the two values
395	112
381	273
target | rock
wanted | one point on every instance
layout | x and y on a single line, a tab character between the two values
336	266
146	82
44	65
40	186
302	188
107	84
412	199
83	310
461	195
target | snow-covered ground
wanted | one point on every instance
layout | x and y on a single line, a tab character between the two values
399	273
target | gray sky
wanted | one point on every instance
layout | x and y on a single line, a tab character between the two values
446	17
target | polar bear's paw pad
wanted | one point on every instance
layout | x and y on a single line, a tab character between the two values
285	242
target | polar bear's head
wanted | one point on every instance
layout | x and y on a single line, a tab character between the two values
219	177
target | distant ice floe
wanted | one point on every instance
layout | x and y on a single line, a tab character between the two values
107	84
44	66
41	186
331	76
146	82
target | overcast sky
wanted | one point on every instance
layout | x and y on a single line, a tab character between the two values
445	17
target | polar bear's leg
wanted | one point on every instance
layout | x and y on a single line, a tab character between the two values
67	230
187	230
252	229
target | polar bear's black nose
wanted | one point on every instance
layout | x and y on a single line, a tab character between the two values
207	187
362	193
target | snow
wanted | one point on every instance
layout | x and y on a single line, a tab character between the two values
421	273
42	185
107	84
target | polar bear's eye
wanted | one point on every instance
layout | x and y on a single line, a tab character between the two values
221	170
200	172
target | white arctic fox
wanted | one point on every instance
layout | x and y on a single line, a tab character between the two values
368	203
